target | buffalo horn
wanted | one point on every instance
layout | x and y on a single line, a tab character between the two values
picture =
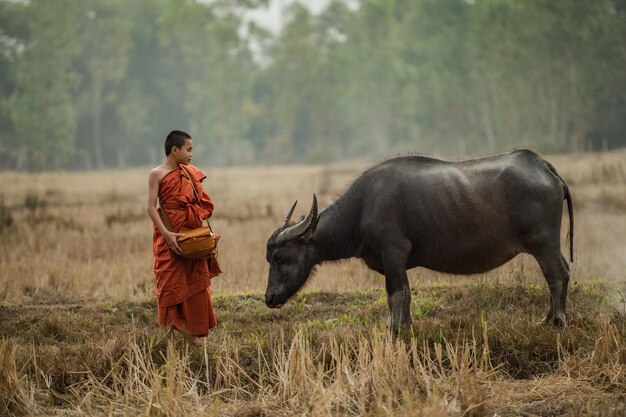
288	218
300	228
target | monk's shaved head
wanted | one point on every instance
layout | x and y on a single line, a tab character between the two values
175	138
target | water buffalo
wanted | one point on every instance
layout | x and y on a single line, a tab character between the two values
463	217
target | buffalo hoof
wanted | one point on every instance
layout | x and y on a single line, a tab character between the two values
403	331
557	321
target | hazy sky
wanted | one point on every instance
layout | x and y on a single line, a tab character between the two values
270	17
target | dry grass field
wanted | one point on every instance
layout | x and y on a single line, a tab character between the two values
77	311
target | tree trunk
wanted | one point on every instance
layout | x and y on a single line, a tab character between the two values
152	156
578	122
88	165
42	159
462	146
554	116
121	159
379	136
21	159
96	112
487	118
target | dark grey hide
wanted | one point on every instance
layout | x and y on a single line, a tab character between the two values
462	217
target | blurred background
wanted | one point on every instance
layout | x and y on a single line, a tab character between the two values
99	83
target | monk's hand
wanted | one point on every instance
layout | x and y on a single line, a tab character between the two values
171	237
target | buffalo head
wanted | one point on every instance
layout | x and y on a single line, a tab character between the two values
289	256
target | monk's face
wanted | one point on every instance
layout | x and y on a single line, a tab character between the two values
183	154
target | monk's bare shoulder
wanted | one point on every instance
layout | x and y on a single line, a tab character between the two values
157	174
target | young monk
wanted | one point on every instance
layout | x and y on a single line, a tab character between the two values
182	285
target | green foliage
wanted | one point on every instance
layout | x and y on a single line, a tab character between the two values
107	43
42	104
100	83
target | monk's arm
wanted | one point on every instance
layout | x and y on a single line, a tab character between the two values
153	192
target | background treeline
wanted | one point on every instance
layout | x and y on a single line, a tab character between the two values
99	83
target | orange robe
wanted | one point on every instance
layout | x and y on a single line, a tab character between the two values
182	285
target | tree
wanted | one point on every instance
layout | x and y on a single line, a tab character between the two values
42	105
13	35
106	35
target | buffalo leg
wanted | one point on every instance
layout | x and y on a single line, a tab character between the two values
555	271
397	286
